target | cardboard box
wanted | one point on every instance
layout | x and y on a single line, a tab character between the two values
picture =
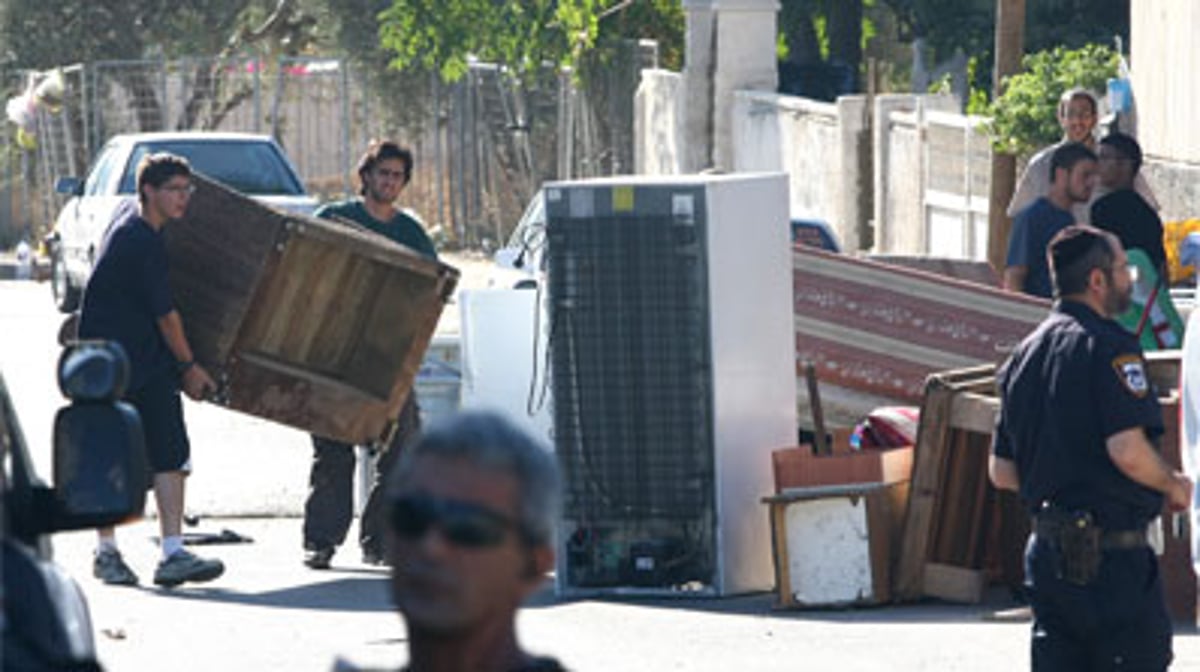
798	467
836	545
311	323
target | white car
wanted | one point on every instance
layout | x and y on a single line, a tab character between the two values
520	260
252	164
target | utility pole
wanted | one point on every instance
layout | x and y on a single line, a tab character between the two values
1010	46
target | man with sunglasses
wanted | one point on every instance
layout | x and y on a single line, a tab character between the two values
128	300
1122	210
384	170
1079	420
472	506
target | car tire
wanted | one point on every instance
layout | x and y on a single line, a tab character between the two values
66	292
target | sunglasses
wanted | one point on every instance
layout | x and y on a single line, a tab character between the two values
461	523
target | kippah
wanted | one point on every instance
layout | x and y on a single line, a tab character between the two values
1072	244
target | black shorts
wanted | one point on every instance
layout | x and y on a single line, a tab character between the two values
161	409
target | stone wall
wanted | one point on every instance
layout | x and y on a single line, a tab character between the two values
1176	184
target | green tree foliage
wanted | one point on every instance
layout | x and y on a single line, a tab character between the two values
41	34
442	35
1025	117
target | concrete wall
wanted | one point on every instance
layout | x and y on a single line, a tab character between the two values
820	146
658	124
1164	62
898	182
1176	185
866	179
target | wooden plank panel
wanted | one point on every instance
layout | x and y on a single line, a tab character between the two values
974	412
219	252
928	461
1179	578
954	584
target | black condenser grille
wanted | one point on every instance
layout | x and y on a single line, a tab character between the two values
631	368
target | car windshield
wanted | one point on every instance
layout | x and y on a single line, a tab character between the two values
531	229
253	167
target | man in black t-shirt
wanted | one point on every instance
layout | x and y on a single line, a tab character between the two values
1122	210
128	300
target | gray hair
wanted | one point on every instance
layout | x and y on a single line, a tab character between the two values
493	442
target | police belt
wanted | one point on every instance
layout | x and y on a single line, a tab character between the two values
1051	525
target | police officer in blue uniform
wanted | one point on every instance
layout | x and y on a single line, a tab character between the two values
1075	438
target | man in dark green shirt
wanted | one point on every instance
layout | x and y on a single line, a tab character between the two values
383	170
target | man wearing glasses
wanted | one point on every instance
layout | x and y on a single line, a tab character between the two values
384	170
1079	420
128	300
472	506
1122	210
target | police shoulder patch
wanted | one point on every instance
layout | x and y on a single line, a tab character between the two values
1132	373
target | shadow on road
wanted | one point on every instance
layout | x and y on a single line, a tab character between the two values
763	605
346	594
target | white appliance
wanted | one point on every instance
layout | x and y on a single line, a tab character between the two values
672	344
503	364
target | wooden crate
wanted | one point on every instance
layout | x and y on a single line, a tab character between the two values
960	532
310	323
1179	577
835	545
942	552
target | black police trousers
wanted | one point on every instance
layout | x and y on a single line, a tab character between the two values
1117	622
329	507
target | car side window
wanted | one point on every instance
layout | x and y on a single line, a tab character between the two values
100	176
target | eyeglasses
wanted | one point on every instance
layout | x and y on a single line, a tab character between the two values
188	189
461	523
1131	268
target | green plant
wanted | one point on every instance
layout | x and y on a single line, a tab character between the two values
1025	117
977	98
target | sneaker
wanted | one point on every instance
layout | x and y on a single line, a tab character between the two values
184	566
371	556
110	567
318	558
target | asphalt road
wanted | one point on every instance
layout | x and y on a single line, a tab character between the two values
268	612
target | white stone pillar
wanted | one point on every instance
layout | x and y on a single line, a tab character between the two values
730	47
698	65
745	60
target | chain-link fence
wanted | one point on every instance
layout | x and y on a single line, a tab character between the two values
483	144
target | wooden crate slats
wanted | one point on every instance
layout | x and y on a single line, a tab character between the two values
308	322
928	455
218	256
949	504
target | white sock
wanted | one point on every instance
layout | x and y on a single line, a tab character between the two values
171	545
106	545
